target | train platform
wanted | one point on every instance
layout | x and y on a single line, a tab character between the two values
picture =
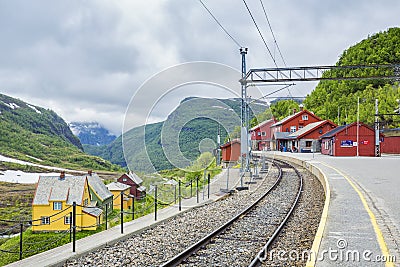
58	256
361	224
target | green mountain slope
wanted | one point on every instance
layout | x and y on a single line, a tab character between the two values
190	129
332	97
39	135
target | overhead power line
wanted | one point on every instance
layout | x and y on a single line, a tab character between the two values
262	37
220	25
272	32
259	32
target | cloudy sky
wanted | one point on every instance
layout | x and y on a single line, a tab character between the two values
85	59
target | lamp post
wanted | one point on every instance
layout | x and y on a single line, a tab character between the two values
358	124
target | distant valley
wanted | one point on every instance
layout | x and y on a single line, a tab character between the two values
38	135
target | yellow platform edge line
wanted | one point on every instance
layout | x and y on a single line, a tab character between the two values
381	240
324	216
322	223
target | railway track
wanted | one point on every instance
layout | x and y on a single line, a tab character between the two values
256	226
238	244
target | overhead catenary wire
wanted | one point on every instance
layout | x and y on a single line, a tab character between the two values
272	32
265	96
259	32
219	23
262	37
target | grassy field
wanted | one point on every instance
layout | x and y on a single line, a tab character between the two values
15	203
16	199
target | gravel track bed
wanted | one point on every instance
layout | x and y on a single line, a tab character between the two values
240	243
296	238
154	246
160	243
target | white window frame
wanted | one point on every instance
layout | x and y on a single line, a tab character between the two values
293	129
45	220
124	179
304	117
301	126
57	205
67	219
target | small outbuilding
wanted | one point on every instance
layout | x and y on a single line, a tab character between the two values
342	141
135	183
230	152
121	190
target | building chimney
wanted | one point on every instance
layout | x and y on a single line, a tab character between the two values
62	175
301	107
89	172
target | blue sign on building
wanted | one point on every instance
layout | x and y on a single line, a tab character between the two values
346	143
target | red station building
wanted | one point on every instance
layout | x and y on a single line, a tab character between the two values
261	137
283	128
342	141
307	138
391	145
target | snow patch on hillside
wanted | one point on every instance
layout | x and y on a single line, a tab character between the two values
34	108
23	177
11	105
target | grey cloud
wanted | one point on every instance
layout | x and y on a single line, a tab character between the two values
87	58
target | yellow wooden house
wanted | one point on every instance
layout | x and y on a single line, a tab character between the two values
116	189
53	201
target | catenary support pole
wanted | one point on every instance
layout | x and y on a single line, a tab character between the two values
377	145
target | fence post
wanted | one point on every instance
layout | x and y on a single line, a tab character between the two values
175	194
209	178
155	203
227	179
180	196
70	226
133	208
73	225
20	240
106	215
204	182
122	211
191	187
197	188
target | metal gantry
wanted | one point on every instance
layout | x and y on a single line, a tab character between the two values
302	74
318	73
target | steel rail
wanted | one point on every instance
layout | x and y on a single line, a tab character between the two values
261	255
198	245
